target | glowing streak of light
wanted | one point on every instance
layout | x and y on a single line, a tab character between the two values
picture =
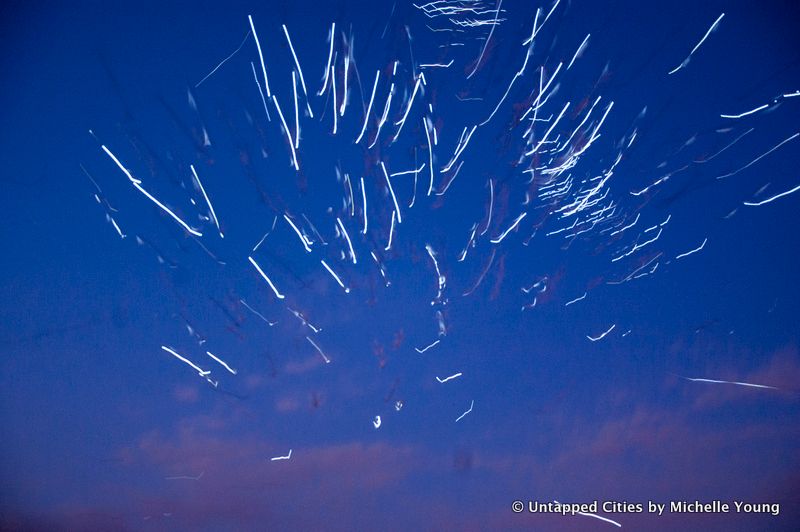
595	339
488	38
200	371
714	381
299	234
287	457
406	172
330	56
296	113
364	198
430	154
589	514
773	198
688	57
333	86
347	237
254	311
325	358
136	183
299	70
513	226
233	371
459	418
701	246
223	61
267	279
369	107
208	201
336	277
576	299
288	134
781	143
491	206
260	55
391	233
402	121
580	50
420	351
260	92
391	190
746	113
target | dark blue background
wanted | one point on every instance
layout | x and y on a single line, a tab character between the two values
96	416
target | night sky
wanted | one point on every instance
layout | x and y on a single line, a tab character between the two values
559	264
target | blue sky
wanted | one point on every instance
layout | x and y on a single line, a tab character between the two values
104	429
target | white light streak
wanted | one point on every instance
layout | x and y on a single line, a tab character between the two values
773	198
469	242
333	86
223	61
406	172
344	95
287	457
260	92
513	226
589	514
267	279
692	251
471	404
325	358
299	234
420	351
568	303
208	201
336	277
347	237
491	206
136	183
288	134
391	232
299	70
441	278
200	371
296	113
364	198
402	121
746	113
391	191
430	154
781	143
436	65
579	51
688	57
714	381
260	55
233	371
254	311
369	107
331	37
486	42
602	335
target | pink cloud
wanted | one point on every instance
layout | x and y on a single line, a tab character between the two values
287	404
303	366
186	394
